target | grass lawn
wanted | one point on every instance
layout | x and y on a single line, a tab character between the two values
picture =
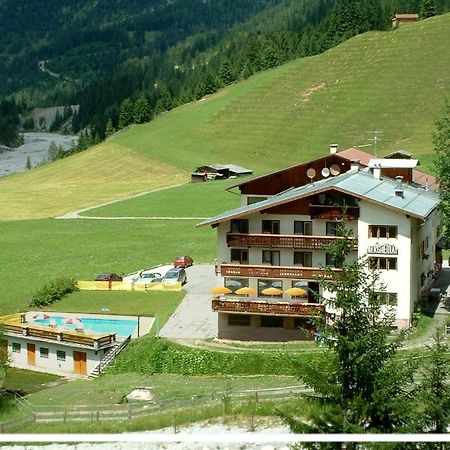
38	251
26	380
178	201
111	389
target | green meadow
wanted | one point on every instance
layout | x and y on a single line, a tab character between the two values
393	82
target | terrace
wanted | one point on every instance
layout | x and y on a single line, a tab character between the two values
284	241
267	307
16	324
266	271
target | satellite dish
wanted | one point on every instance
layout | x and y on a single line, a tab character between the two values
335	170
325	172
311	173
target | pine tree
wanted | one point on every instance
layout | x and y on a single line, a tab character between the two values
361	386
110	130
164	102
126	113
434	387
142	112
441	140
428	9
28	166
226	76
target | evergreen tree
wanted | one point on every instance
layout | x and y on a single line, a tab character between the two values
270	58
126	113
441	140
110	130
28	166
434	387
428	9
164	102
142	111
361	386
226	76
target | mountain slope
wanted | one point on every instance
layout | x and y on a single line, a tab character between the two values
393	82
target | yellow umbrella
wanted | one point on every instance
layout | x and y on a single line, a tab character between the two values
271	291
221	290
245	291
296	292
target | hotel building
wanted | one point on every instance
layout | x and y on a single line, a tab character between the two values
279	235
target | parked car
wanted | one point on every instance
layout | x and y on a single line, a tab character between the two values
106	276
149	277
183	261
175	275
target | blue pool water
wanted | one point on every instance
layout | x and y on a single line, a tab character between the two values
123	327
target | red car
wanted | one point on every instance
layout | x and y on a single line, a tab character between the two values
183	261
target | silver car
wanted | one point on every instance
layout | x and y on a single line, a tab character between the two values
148	278
175	275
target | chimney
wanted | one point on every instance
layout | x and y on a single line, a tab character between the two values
354	165
399	186
376	171
333	149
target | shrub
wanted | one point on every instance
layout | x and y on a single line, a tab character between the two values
53	292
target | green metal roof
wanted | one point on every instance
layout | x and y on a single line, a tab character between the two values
416	201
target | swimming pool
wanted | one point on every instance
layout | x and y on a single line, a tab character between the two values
123	327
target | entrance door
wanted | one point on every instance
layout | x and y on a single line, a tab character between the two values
79	363
31	352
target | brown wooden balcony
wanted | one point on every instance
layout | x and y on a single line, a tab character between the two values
265	271
266	307
290	241
329	212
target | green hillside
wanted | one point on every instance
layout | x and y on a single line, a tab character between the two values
394	82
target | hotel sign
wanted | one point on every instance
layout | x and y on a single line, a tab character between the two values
382	249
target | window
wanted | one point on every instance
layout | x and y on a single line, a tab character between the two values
43	352
272	321
235	283
303	259
383	231
265	284
252	200
383	263
388	298
239	226
16	347
60	355
331	228
239	255
242	320
303	227
271	226
330	262
271	257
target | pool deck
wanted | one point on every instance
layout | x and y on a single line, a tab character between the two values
145	323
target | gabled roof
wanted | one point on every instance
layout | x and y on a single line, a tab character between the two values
406	16
422	178
416	201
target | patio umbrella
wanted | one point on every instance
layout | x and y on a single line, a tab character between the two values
245	291
41	316
271	291
72	321
221	290
296	292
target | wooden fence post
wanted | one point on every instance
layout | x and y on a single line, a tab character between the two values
98	416
65	416
129	411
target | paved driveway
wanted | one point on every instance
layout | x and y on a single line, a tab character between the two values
194	319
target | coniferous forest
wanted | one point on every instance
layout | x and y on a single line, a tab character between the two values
125	62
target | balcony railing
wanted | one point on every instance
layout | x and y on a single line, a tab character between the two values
272	308
330	212
284	241
42	331
262	271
